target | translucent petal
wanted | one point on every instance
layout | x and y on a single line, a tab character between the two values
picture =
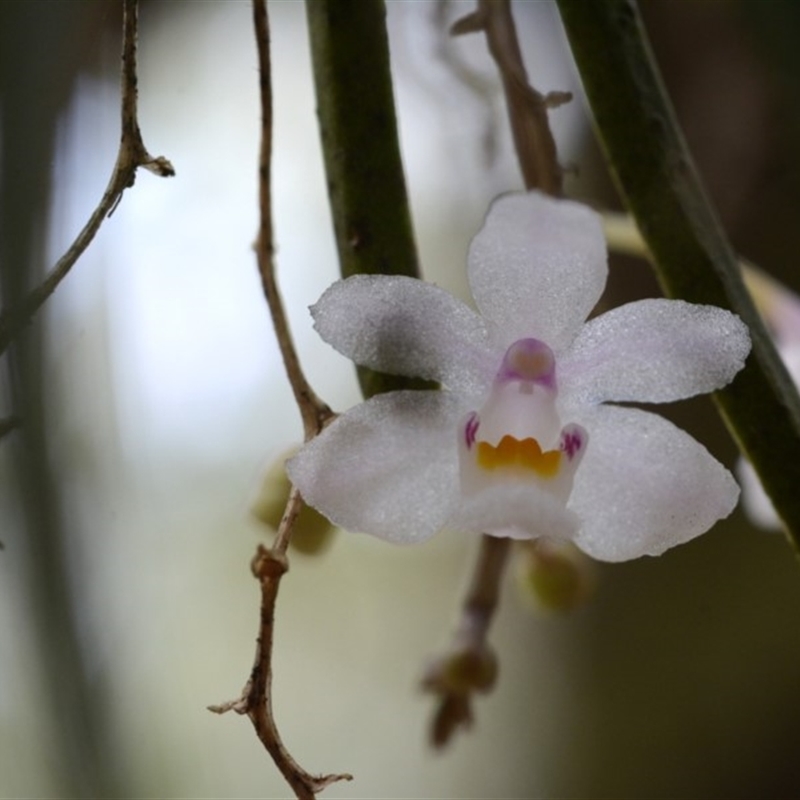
517	511
537	268
653	351
645	486
388	467
405	326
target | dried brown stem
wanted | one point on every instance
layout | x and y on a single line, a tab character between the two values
470	664
132	154
270	564
314	412
527	108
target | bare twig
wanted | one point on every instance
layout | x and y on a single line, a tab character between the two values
470	665
270	564
132	154
314	412
527	108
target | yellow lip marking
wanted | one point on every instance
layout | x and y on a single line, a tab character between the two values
527	453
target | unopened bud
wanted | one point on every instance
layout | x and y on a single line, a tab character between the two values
554	576
312	533
462	671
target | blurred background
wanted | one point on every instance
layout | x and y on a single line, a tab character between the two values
154	399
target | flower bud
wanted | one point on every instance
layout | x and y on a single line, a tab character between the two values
462	670
312	532
554	576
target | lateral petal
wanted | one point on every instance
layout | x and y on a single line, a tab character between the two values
653	351
644	486
388	467
405	326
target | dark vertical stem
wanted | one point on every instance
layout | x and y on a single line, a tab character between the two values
355	104
694	260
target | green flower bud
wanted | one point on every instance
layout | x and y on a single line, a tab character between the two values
461	671
554	576
312	533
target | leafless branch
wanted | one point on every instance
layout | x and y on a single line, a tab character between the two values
270	564
527	108
132	154
314	412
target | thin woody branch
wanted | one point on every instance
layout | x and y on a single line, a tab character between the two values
469	665
527	108
270	564
314	412
132	154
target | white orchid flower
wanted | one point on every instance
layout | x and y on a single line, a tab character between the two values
523	439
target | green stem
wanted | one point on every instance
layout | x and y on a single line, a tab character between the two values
693	258
355	104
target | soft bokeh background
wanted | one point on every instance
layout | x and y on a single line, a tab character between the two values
154	399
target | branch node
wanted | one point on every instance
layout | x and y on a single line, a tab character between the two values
130	156
269	564
160	166
557	99
471	23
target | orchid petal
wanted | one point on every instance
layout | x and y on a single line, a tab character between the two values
405	326
654	351
517	511
537	268
644	486
388	467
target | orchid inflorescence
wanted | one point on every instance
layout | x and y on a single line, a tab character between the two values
525	437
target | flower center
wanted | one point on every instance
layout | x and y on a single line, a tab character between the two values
517	435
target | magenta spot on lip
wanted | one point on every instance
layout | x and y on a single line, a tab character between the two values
471	429
529	360
571	442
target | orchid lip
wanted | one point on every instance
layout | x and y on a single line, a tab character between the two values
517	434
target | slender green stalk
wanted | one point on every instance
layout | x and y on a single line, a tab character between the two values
355	104
693	258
